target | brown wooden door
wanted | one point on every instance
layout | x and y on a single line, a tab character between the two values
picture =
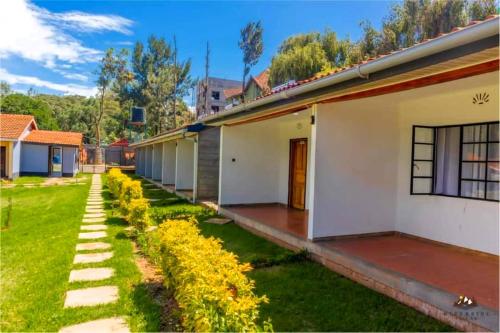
3	163
298	171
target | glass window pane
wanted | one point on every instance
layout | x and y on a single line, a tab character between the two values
494	132
422	168
474	152
424	135
492	191
472	189
423	152
473	170
493	171
493	152
476	133
422	185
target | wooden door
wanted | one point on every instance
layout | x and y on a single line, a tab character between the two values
3	162
298	172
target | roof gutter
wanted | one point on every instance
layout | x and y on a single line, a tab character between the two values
458	38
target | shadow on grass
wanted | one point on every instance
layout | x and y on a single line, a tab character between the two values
115	220
149	307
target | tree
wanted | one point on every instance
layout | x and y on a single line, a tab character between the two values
16	103
4	89
480	9
304	55
111	67
252	46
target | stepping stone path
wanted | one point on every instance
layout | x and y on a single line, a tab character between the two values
93	296
115	325
94	227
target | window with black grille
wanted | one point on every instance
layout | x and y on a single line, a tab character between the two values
456	160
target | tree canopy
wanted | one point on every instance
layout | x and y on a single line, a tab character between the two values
407	23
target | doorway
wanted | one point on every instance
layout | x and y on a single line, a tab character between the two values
3	162
55	161
298	173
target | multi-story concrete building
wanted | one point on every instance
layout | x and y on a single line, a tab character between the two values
215	100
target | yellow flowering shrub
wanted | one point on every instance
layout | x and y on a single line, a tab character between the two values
115	180
138	213
129	189
208	282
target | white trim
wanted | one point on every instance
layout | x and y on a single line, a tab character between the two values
312	169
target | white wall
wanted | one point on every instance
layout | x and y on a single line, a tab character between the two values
184	169
148	161
157	161
34	158
363	161
168	164
16	158
259	172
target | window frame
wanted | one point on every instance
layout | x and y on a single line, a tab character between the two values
461	160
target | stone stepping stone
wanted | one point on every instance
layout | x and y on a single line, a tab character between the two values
91	215
92	246
91	296
108	325
95	196
90	258
94	227
90	274
95	202
94	210
94	206
154	189
94	220
152	200
92	235
219	220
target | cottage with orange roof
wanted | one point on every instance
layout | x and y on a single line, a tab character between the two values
26	150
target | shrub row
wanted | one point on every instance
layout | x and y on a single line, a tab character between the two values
133	206
208	282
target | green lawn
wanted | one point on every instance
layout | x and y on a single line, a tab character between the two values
304	295
37	251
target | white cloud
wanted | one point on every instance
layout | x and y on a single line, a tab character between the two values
36	34
66	89
89	22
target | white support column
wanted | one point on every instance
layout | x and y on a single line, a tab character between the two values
221	164
312	168
149	159
157	161
195	168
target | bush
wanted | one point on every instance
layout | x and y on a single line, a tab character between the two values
115	180
209	284
129	190
138	214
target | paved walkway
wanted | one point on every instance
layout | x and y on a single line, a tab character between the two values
92	237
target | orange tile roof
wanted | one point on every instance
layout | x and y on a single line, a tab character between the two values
262	81
13	125
232	92
55	137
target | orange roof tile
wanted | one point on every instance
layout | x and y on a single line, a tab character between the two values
13	125
262	80
55	137
232	92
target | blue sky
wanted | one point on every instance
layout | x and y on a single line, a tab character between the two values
54	45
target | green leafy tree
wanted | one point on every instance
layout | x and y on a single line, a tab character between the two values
4	89
252	46
480	9
113	66
16	103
